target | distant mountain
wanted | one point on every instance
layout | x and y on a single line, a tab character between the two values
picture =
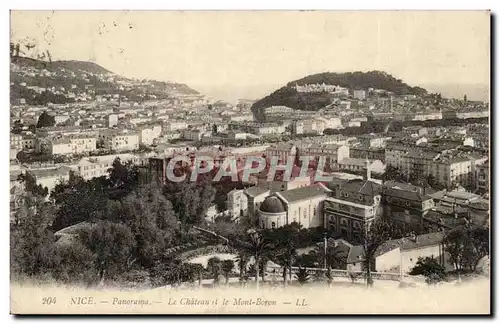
288	96
40	82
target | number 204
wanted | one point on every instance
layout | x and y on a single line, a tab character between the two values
48	300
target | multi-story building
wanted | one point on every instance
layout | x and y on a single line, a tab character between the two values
16	141
69	145
266	129
148	134
276	111
237	203
282	151
406	205
171	126
370	153
373	140
310	126
120	141
195	134
359	94
98	166
112	120
483	178
28	143
359	164
456	169
333	152
352	206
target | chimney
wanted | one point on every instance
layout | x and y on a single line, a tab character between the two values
367	174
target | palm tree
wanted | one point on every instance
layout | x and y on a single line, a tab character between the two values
214	266
263	265
335	256
374	235
227	268
255	244
198	269
302	276
242	260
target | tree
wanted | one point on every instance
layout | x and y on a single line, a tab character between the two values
336	257
467	246
79	200
190	200
227	268
430	269
17	127
30	185
242	260
302	276
286	240
112	246
373	236
254	244
73	263
32	243
45	120
123	177
455	243
151	218
214	266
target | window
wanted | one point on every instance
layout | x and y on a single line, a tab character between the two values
273	225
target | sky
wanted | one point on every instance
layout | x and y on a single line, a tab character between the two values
248	54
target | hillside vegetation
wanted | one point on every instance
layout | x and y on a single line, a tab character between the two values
288	96
70	81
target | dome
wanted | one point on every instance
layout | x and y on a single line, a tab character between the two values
272	204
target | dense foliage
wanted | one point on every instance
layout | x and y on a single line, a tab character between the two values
288	96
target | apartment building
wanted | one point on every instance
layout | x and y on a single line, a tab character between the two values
483	177
69	145
120	141
148	134
98	166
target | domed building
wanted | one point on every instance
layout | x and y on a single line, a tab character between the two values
272	213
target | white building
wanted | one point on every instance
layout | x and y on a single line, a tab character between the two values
359	94
237	203
147	135
98	166
358	164
71	145
300	205
112	120
171	126
401	256
118	141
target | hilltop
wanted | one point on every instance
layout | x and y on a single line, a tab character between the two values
55	65
288	96
39	82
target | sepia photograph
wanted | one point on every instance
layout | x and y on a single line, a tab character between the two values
250	162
